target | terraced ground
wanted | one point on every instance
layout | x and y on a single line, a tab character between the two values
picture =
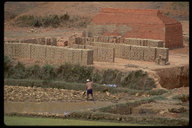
171	107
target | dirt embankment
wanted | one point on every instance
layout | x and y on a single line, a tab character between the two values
174	77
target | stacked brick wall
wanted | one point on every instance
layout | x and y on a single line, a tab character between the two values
133	23
144	42
134	52
43	41
173	36
49	53
100	52
119	39
17	50
38	51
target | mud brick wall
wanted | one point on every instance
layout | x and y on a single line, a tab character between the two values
78	46
79	40
137	53
149	54
144	42
11	41
59	54
102	54
8	49
50	54
87	57
133	52
173	36
164	52
118	50
16	50
101	44
76	57
38	52
81	46
155	43
50	41
24	50
125	51
105	54
41	40
95	51
96	38
75	46
32	41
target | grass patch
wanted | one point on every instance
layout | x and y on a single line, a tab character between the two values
181	97
31	121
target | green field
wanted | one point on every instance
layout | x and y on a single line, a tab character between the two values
38	121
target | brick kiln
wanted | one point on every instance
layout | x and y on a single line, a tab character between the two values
134	23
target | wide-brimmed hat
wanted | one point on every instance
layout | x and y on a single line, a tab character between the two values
88	80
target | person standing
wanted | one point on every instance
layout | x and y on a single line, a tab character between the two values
89	90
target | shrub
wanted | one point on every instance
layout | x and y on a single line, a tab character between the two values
18	71
33	72
157	92
7	65
65	17
182	97
137	80
51	20
48	72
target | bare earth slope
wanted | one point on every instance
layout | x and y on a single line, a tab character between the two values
174	9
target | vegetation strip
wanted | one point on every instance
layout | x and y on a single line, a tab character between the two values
19	120
138	80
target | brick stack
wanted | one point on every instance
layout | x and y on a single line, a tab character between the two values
126	51
53	41
143	42
95	51
118	50
47	40
163	52
106	54
32	41
50	53
8	49
16	50
81	47
149	54
137	53
87	57
75	46
96	38
38	51
131	41
58	54
76	56
155	43
41	40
